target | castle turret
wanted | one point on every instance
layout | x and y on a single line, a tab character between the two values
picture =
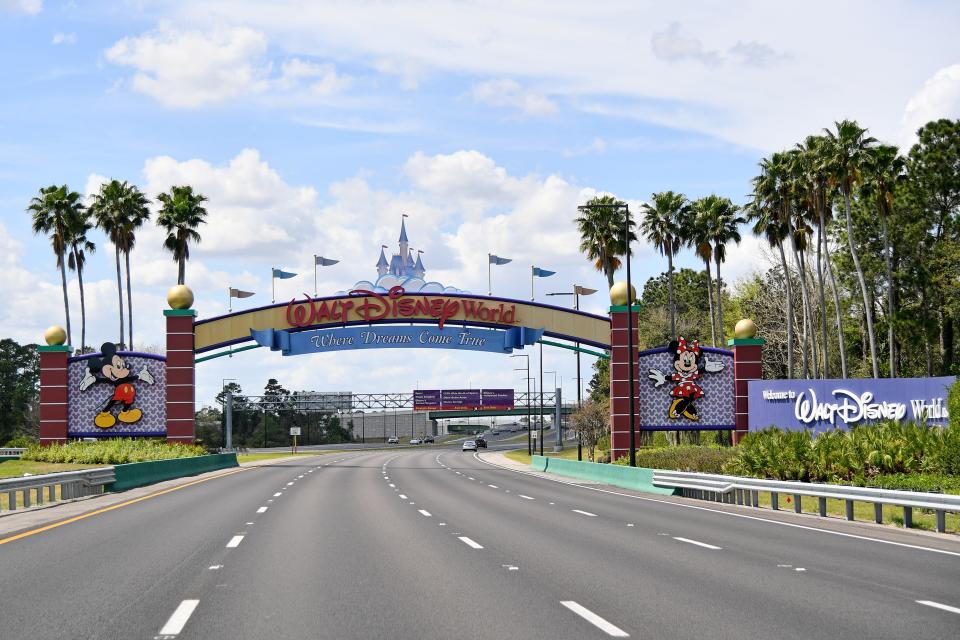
404	243
382	265
418	270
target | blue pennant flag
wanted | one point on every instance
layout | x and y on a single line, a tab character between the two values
283	275
498	260
324	262
542	273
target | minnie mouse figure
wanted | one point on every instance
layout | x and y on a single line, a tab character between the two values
111	368
689	364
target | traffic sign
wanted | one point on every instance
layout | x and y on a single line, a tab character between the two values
294	431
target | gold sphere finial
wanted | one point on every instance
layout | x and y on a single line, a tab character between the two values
745	329
55	336
618	294
180	297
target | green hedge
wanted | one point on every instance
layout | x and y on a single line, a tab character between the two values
113	451
701	459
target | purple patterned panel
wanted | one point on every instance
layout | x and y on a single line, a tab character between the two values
715	408
146	415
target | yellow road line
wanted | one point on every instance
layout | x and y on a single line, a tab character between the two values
83	516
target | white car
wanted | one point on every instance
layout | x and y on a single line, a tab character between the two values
415	441
469	445
393	440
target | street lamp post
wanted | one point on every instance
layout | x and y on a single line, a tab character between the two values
524	355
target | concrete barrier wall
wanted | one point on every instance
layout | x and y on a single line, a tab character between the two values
636	478
138	474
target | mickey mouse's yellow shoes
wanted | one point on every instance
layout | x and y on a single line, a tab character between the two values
130	416
104	420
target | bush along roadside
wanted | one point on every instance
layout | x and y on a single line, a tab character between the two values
700	459
111	452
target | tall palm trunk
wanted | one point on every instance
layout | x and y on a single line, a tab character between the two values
824	343
126	255
119	291
814	366
182	271
673	309
836	305
83	302
713	324
720	329
803	302
890	301
66	302
867	307
608	270
786	273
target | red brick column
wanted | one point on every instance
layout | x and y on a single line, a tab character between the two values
180	375
620	361
747	365
53	393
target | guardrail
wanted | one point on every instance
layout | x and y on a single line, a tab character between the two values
745	491
11	451
66	485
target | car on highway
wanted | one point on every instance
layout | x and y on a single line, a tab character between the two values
415	441
428	439
393	440
469	445
481	442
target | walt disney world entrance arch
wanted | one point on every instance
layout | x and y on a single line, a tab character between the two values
682	386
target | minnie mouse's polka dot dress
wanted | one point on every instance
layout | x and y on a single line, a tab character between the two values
687	388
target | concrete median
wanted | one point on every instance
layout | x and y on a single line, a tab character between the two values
635	478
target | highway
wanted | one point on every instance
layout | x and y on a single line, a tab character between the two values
436	543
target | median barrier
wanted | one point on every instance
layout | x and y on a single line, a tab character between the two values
635	478
138	474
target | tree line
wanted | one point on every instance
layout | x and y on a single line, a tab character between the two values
864	244
120	210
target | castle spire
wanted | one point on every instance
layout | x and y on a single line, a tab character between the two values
404	246
382	265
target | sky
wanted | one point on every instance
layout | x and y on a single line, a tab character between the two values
312	126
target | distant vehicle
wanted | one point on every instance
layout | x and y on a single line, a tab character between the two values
393	440
469	445
494	432
427	439
416	441
481	442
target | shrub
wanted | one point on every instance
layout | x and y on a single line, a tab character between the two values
701	459
21	442
113	451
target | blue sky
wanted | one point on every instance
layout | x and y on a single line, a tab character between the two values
312	126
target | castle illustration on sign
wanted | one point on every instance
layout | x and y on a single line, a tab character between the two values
402	269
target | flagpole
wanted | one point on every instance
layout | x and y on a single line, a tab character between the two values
314	275
229	300
489	287
273	286
532	298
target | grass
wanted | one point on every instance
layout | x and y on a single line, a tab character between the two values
252	457
568	453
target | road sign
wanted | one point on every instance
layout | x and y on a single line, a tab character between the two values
294	431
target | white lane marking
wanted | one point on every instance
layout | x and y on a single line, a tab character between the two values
413	503
937	605
470	543
595	620
629	524
442	524
402	497
178	620
799	569
270	500
234	542
470	478
215	567
493	486
289	484
459	474
525	497
300	476
278	494
392	485
261	509
249	523
585	513
729	513
699	544
424	512
552	503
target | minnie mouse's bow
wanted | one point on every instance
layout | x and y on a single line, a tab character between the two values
693	346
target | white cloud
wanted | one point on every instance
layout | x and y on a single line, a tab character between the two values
30	7
189	69
64	38
939	98
505	92
672	46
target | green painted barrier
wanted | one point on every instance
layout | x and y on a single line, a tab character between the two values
138	474
2	458
636	478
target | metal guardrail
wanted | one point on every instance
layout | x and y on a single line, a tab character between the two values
66	485
11	451
745	491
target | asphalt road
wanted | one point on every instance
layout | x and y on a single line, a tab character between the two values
435	543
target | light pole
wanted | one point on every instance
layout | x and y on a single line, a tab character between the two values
576	293
625	208
524	355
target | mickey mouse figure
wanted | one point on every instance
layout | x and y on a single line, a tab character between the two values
689	363
111	367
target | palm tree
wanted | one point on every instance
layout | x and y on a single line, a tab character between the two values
661	226
77	227
111	210
726	229
136	213
52	211
884	168
601	223
699	237
181	213
846	154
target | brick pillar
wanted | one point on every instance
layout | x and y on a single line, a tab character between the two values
180	375
620	360
53	393
747	365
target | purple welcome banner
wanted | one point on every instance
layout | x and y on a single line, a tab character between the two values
821	405
497	398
